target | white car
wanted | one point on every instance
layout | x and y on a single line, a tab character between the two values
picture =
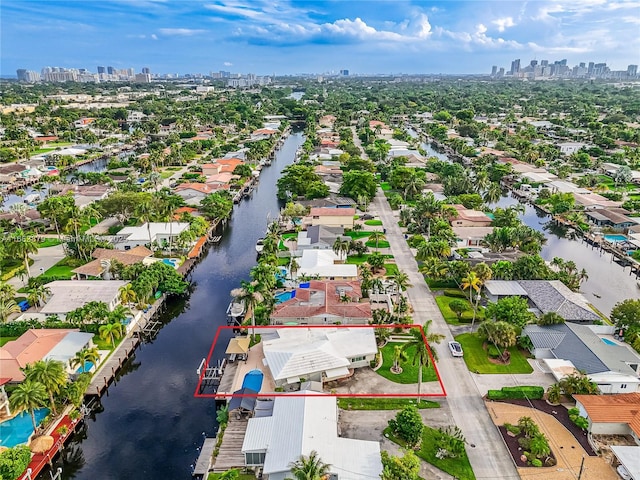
624	473
456	349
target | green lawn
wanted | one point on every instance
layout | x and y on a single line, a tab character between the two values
357	234
451	318
242	476
357	403
359	260
164	175
409	372
4	340
48	242
385	186
102	344
378	244
373	223
391	268
459	468
477	360
60	271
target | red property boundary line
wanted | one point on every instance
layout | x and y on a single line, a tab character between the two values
339	395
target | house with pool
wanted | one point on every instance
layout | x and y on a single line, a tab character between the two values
323	302
159	233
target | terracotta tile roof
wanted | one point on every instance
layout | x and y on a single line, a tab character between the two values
323	297
332	212
45	139
31	346
620	408
264	131
199	187
129	257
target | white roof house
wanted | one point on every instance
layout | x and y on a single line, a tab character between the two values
158	232
300	425
67	295
321	264
317	354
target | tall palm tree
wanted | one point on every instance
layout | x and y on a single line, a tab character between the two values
128	294
111	332
83	356
251	298
341	248
472	282
401	281
422	346
20	245
294	266
38	294
376	236
28	396
144	210
50	374
493	193
309	468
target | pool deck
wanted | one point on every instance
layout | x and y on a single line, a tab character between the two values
253	362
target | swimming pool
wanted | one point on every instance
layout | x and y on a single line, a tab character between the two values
172	262
615	238
18	430
284	296
608	342
86	368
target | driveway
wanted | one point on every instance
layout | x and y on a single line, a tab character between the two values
42	261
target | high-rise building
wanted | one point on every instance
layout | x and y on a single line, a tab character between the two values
344	73
632	70
146	70
533	63
111	70
544	63
501	72
590	68
22	74
494	70
101	70
515	66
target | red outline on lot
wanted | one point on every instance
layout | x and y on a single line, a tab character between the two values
344	395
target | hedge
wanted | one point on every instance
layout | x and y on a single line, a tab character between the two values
531	392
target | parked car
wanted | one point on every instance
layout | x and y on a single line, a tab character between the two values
366	216
23	305
456	349
624	473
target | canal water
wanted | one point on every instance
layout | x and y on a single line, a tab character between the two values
150	426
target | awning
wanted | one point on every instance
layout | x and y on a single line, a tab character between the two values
334	373
238	345
293	380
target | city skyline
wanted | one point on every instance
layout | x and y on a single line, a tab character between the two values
315	37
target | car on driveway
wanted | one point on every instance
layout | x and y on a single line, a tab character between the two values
366	216
456	349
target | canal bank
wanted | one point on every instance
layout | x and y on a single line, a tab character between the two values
148	424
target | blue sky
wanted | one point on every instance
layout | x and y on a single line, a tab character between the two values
292	36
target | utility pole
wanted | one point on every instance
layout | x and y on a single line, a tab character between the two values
581	467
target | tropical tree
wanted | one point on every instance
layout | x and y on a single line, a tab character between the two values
51	375
128	294
421	349
501	334
28	396
376	236
249	294
85	356
473	283
401	281
341	248
400	468
8	306
38	294
458	306
111	332
375	261
309	468
399	355
550	318
20	245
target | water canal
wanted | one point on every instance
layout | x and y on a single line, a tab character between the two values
150	426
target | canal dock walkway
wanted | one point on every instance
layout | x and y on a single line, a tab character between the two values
230	452
203	464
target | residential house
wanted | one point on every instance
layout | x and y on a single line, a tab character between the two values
262	134
545	296
568	148
83	195
592	201
325	264
611	414
298	426
471	236
614	218
221	165
324	303
567	348
331	217
221	181
332	201
159	233
318	237
317	354
12	172
103	258
470	218
41	344
67	295
193	193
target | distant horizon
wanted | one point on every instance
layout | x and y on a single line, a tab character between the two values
289	37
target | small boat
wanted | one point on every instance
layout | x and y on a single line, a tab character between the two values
235	309
597	296
260	245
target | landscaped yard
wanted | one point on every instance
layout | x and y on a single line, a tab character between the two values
391	268
359	260
478	361
102	344
357	234
356	403
409	372
48	242
62	269
241	476
373	223
378	244
451	318
459	468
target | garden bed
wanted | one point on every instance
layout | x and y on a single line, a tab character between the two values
562	415
516	450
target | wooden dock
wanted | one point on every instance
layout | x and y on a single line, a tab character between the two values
203	464
108	370
228	377
230	453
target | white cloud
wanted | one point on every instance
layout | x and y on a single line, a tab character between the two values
228	64
154	36
184	32
503	23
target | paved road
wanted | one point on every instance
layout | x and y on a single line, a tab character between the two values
42	261
489	458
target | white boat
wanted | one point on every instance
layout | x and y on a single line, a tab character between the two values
235	309
260	245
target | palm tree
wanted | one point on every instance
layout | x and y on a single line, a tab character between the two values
493	193
51	375
111	332
399	355
144	210
401	281
472	282
309	468
28	396
38	294
128	294
294	266
84	356
251	298
421	344
376	236
20	245
341	248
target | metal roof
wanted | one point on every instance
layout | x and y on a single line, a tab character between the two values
245	403
504	287
629	456
67	295
71	344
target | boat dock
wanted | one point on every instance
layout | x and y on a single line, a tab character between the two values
203	464
230	452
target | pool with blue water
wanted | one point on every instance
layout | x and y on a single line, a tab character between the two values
85	368
615	238
284	296
18	429
608	342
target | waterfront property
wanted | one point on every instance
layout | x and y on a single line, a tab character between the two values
99	266
294	355
466	217
18	430
41	344
568	348
323	264
319	237
331	217
324	303
67	295
160	233
300	425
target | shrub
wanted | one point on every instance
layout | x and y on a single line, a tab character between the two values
511	428
493	351
536	462
579	421
496	395
531	392
408	425
14	461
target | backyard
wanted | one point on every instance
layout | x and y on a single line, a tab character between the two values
477	360
409	371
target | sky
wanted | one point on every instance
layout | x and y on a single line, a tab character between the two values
291	36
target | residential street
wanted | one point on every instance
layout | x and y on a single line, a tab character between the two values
487	453
42	261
